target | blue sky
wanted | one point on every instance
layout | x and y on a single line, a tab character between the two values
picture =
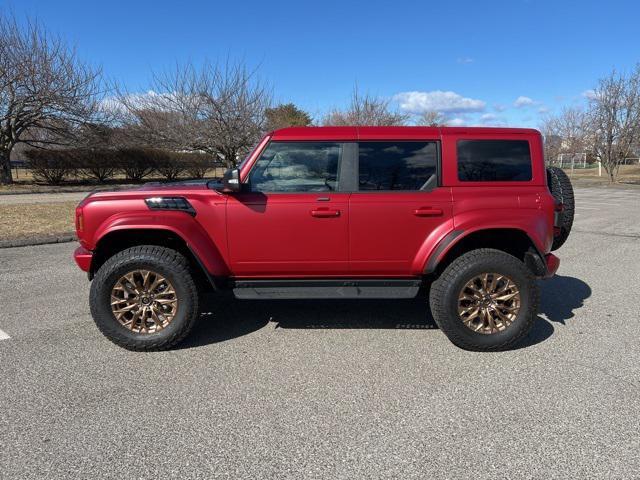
472	60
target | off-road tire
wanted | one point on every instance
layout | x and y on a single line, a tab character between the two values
562	190
443	299
169	263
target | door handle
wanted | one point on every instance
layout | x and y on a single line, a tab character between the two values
427	212
324	213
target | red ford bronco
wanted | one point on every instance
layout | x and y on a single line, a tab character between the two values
470	214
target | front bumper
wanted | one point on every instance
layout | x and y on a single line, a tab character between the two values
83	258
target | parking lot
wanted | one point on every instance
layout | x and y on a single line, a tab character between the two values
330	389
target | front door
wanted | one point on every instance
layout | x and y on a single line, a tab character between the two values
397	206
291	218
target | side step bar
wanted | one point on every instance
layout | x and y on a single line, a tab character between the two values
300	289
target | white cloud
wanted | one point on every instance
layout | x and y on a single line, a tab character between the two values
523	101
589	94
543	109
492	120
465	60
456	122
138	100
498	107
438	101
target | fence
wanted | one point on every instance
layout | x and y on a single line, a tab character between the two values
581	161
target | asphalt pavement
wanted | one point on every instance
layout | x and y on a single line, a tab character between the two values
330	389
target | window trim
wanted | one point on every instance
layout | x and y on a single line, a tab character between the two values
341	170
438	182
492	182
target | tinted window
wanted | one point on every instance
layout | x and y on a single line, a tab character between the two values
297	167
494	160
397	165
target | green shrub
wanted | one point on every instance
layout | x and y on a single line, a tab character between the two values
197	164
50	166
136	163
97	164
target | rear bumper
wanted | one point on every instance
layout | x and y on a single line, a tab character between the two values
553	263
83	258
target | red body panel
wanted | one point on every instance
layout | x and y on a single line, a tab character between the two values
277	234
340	234
388	232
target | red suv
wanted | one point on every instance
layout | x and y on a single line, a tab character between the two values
470	214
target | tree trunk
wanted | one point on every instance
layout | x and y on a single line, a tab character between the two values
6	176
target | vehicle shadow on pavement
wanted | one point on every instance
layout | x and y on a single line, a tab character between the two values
559	297
234	318
226	319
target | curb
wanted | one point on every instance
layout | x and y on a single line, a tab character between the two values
44	240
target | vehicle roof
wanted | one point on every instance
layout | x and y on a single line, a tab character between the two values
389	133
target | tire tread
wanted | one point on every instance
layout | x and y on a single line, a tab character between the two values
170	258
437	298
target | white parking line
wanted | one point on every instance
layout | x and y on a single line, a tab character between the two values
4	336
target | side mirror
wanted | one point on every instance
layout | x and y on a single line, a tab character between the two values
231	181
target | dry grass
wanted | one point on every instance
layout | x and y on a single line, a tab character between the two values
31	220
627	174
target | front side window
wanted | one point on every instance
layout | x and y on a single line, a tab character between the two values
397	165
297	167
494	161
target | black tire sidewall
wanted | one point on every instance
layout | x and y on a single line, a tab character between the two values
463	336
101	303
560	187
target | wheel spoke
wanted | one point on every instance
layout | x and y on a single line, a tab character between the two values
126	309
145	279
488	303
138	307
508	296
491	324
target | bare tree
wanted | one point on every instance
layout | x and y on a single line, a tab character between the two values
432	119
46	93
614	118
365	110
214	109
567	132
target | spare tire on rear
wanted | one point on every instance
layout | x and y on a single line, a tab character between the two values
561	189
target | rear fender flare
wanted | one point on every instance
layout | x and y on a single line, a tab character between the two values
530	224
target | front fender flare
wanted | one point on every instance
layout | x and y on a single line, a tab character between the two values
182	224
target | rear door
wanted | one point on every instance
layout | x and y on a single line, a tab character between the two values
397	206
291	219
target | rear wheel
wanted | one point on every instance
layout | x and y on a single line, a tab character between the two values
144	298
562	190
485	300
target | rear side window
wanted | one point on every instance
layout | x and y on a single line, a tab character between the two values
494	161
297	167
397	165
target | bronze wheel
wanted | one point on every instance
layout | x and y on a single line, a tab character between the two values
144	301
489	303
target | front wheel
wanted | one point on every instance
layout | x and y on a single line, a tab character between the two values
485	300
144	298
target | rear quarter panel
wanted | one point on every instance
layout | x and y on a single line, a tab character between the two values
523	205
